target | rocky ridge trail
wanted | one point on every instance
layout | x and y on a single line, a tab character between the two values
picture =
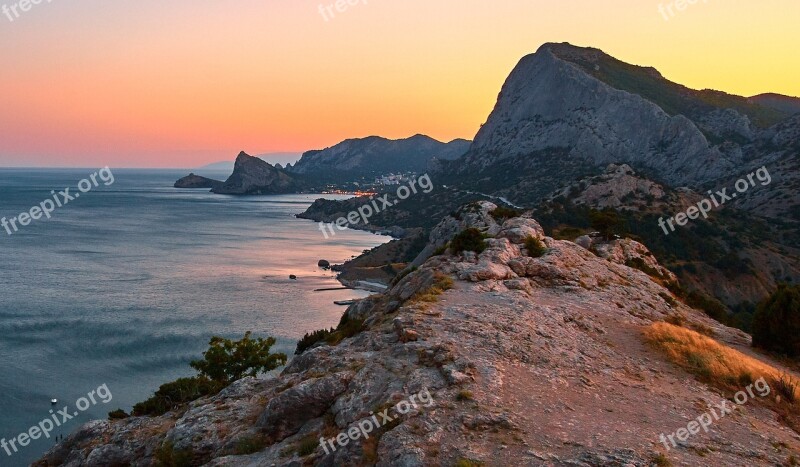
529	361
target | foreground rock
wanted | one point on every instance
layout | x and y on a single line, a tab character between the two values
196	181
527	361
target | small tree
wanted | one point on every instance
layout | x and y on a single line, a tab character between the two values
607	222
470	239
226	361
535	247
776	324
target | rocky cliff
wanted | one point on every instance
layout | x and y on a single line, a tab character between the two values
524	360
373	156
196	181
569	111
253	176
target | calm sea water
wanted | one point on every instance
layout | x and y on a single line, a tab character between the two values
125	285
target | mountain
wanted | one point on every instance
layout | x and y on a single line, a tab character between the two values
786	104
253	176
374	156
568	115
275	158
571	111
567	356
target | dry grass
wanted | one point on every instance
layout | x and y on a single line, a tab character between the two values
727	369
442	284
723	366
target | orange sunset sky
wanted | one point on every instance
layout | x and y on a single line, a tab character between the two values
145	83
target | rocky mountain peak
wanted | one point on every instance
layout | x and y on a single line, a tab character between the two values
252	175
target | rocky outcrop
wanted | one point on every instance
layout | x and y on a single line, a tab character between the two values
196	181
253	176
374	156
549	102
523	361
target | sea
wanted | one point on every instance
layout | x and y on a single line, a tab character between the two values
123	286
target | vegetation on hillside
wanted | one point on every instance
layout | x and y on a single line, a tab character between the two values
689	251
776	324
470	239
224	362
674	98
725	368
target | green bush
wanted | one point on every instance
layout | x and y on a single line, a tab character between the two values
469	240
503	213
607	222
710	306
226	361
776	324
167	456
312	338
181	391
535	247
250	445
118	414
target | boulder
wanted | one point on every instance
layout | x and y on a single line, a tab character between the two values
288	411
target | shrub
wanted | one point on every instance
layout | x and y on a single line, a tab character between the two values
180	391
464	395
307	446
347	328
441	284
312	338
710	306
226	361
535	247
786	388
776	324
607	222
250	445
469	240
166	456
118	414
503	213
463	462
660	460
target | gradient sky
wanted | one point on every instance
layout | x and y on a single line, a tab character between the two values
149	83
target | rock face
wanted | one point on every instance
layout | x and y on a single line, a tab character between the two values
549	102
374	156
567	112
253	176
196	181
524	361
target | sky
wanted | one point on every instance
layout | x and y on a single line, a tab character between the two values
146	83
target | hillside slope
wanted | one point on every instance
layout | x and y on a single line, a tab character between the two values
526	361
